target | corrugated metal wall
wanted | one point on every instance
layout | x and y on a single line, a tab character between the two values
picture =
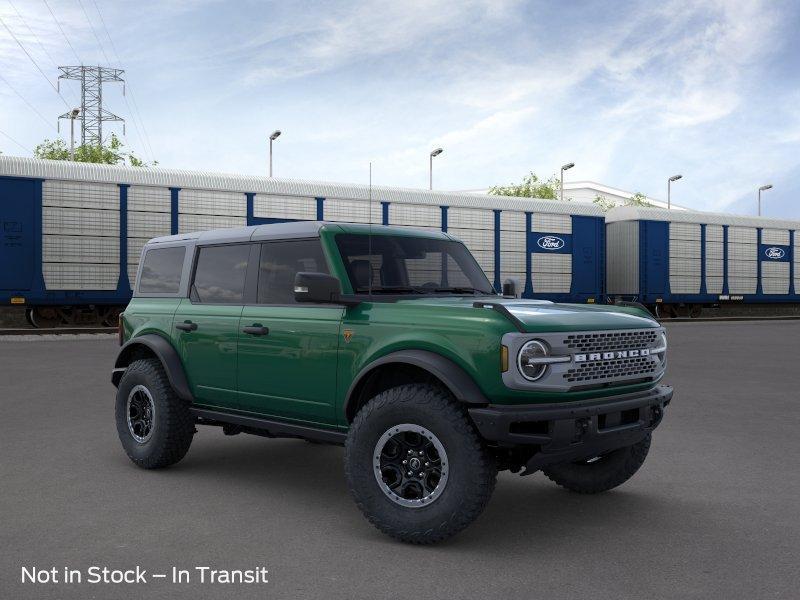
622	257
684	258
80	235
149	216
513	247
476	228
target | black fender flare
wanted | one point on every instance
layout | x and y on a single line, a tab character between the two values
456	379
165	352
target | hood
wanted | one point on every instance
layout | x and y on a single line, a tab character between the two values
542	315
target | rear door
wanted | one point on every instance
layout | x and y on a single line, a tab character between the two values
287	351
207	323
17	226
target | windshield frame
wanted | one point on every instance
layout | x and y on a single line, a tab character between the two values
480	285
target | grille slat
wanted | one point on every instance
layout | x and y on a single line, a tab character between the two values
608	341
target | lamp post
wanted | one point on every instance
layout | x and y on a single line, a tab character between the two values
565	167
72	116
669	189
272	138
763	188
436	152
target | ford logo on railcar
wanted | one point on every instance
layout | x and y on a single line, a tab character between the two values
775	253
550	242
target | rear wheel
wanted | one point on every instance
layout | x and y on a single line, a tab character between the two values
600	473
415	465
153	424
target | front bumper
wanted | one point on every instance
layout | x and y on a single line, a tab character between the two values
571	431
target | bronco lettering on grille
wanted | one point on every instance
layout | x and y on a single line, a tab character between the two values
594	356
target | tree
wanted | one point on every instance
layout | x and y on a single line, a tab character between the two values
531	187
606	204
113	153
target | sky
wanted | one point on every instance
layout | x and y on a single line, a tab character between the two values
631	92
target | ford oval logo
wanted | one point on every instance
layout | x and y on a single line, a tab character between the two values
550	242
775	253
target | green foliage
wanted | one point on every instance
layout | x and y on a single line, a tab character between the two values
531	187
606	204
113	153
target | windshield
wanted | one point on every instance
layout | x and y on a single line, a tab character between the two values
410	265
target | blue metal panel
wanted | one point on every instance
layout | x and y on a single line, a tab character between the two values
528	267
251	200
775	252
588	258
759	287
551	243
497	285
123	284
654	238
320	209
174	210
703	288
18	227
444	218
385	213
791	263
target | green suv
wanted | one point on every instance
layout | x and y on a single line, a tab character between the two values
391	342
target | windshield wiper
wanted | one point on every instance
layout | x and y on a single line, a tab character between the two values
460	290
390	289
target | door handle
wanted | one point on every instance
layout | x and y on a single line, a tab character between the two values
186	326
256	329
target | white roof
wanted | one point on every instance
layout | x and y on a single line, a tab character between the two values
637	213
156	176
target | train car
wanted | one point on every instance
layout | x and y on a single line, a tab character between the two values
677	262
73	232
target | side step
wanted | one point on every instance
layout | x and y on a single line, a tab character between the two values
269	427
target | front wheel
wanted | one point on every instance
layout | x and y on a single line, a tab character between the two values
153	424
415	465
600	473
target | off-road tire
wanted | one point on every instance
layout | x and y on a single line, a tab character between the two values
472	471
609	471
173	425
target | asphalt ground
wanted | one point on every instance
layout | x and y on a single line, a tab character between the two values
714	512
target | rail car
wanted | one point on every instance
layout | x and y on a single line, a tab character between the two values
678	262
73	232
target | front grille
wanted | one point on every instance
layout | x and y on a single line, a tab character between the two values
619	368
611	340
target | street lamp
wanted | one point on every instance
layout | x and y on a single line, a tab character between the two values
763	188
436	152
73	114
565	167
669	189
274	136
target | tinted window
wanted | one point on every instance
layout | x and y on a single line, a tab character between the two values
280	262
161	270
396	264
220	273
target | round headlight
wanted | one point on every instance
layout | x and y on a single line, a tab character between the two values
531	351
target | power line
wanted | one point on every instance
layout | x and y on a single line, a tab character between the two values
99	43
21	97
38	41
136	114
16	142
61	29
35	64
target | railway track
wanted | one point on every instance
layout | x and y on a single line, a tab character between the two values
55	330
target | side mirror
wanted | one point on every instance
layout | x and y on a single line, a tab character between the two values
316	287
510	288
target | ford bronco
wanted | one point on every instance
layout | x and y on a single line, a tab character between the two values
393	343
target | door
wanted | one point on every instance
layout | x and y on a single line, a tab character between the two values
17	197
206	325
287	351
